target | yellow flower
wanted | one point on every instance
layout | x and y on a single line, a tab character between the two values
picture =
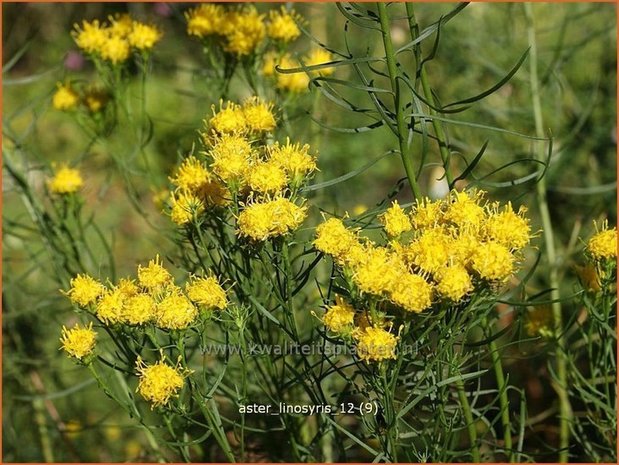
375	344
91	37
539	321
294	158
127	287
229	119
160	382
244	31
378	272
508	227
231	157
207	292
121	25
95	99
258	115
154	275
144	36
464	210
191	175
206	19
282	25
430	251
175	311
262	220
462	248
291	82
78	342
333	238
266	178
395	221
317	57
65	181
185	206
454	282
427	214
412	292
603	245
339	317
116	49
65	98
493	261
138	309
85	290
110	306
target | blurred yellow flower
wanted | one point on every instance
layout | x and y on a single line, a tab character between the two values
144	36
115	49
291	82
206	19
95	99
282	25
91	37
320	56
65	181
539	321
121	25
244	30
65	98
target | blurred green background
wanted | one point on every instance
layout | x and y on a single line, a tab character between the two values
47	398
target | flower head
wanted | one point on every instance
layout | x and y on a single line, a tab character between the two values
121	25
320	56
258	115
493	261
603	245
395	221
205	20
412	292
110	306
185	206
464	210
339	317
175	311
508	227
154	275
78	342
291	82
65	98
207	292
378	272
115	49
282	25
231	155
294	158
144	36
65	181
333	238
138	309
229	119
430	252
191	175
91	37
375	344
426	214
262	220
454	282
84	290
160	382
244	31
267	177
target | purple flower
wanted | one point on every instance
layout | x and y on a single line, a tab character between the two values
74	61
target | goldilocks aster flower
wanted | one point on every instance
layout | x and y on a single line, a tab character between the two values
395	221
603	245
375	344
207	292
339	317
84	290
282	25
65	98
65	181
78	342
160	382
262	220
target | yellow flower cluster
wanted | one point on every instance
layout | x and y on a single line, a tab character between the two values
67	98
439	251
298	81
114	42
241	31
65	181
154	298
79	342
603	245
160	382
258	182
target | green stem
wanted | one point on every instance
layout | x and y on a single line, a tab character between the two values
560	385
470	422
502	388
427	92
402	127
